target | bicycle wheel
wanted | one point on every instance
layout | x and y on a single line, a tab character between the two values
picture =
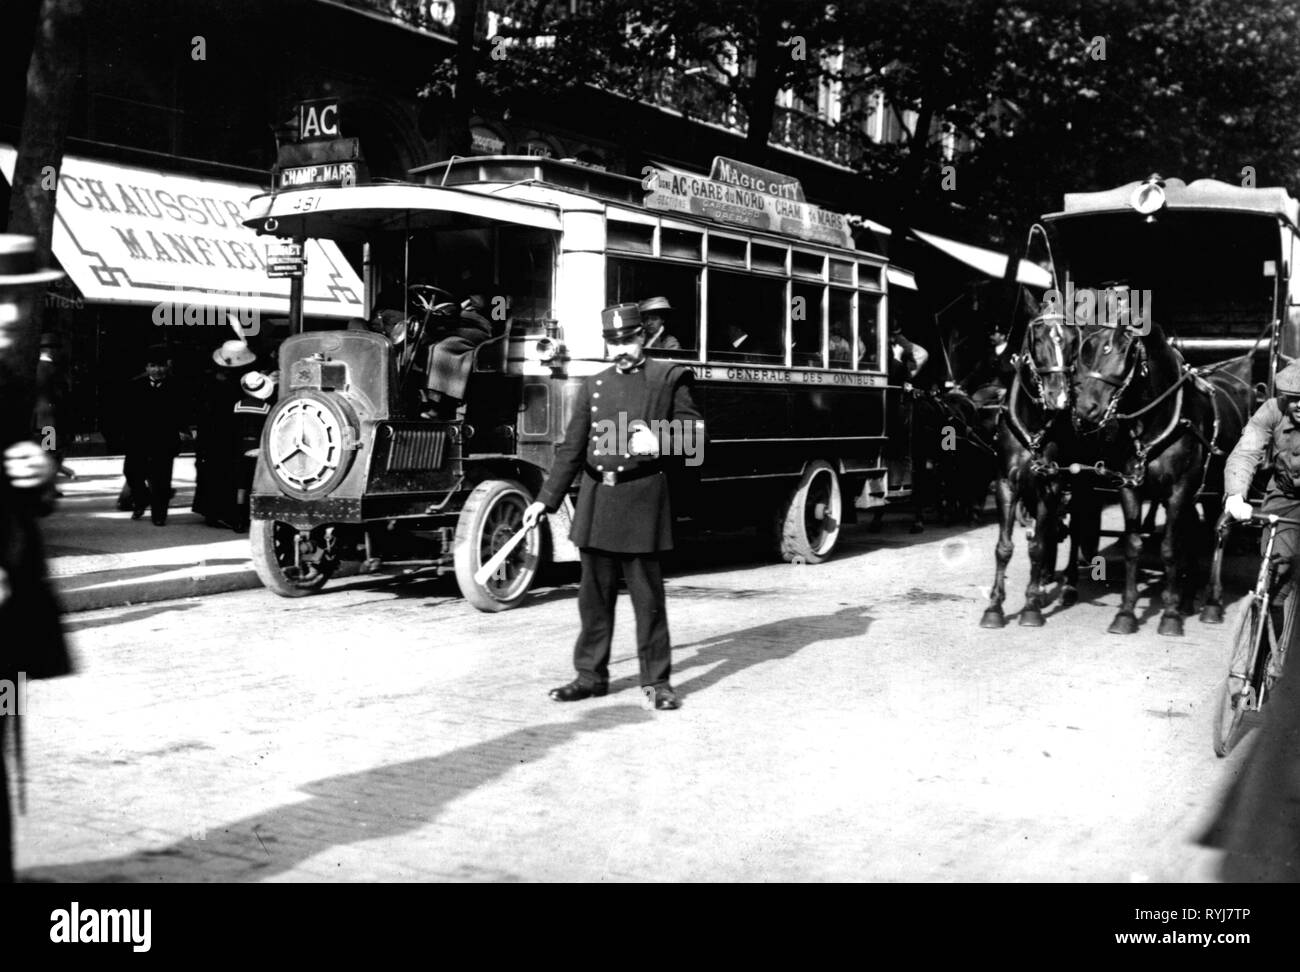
1250	643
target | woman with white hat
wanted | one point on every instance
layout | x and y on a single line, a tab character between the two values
258	395
216	484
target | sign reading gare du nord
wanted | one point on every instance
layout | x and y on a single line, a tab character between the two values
746	195
130	235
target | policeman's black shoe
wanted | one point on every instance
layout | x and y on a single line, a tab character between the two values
137	514
661	697
577	690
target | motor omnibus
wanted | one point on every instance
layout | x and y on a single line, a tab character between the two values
780	315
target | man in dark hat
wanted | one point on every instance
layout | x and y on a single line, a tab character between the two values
157	417
623	518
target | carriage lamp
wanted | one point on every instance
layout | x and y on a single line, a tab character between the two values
1149	198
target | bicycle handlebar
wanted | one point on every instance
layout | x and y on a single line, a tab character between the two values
1266	519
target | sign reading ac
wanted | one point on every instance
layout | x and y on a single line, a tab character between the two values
318	120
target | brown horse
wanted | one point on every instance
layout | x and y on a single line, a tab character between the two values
1035	443
1161	429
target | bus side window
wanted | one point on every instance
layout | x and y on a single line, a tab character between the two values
841	321
806	325
632	281
746	317
868	333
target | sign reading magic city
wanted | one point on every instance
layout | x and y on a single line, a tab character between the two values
139	236
746	195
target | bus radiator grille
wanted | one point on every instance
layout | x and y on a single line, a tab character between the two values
413	449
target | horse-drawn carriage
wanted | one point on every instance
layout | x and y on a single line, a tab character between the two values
1172	307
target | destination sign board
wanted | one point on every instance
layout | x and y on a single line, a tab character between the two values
746	176
727	203
325	174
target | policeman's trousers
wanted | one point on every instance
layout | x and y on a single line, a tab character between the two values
597	596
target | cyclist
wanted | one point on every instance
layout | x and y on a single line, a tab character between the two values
1275	424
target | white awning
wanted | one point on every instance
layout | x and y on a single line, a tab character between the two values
128	235
898	277
989	262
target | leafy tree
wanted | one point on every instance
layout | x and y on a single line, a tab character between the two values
51	77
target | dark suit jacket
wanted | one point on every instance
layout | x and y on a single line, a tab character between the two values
155	418
634	516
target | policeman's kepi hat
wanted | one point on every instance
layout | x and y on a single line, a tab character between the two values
18	262
622	321
1287	381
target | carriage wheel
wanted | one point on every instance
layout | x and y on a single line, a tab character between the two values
285	563
808	522
492	515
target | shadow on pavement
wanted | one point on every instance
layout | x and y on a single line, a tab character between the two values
774	641
375	803
1258	822
128	616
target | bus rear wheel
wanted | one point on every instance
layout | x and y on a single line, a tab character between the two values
287	563
492	515
808	521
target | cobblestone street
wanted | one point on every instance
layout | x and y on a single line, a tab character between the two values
848	721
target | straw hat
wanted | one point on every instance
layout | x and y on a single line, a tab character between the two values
18	262
234	354
258	385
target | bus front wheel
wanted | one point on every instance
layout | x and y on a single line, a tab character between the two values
808	520
289	563
492	515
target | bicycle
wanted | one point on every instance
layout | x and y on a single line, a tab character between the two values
1258	649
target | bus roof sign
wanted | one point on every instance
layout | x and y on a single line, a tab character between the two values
746	176
682	192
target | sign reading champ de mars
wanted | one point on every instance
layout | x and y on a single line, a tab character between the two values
741	203
140	236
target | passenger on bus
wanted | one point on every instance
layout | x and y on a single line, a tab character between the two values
654	314
841	350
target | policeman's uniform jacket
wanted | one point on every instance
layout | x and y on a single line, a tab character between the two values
1271	424
624	503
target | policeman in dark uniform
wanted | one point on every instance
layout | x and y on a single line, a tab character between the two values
623	519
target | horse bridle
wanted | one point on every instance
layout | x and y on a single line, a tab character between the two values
1060	368
1121	384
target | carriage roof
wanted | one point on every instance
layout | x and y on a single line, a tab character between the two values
1203	194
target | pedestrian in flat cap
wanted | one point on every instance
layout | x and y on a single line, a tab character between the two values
1273	431
157	419
655	312
623	518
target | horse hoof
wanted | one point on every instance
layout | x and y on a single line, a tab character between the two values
917	528
993	618
1031	618
1124	623
1069	597
1171	625
1212	614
